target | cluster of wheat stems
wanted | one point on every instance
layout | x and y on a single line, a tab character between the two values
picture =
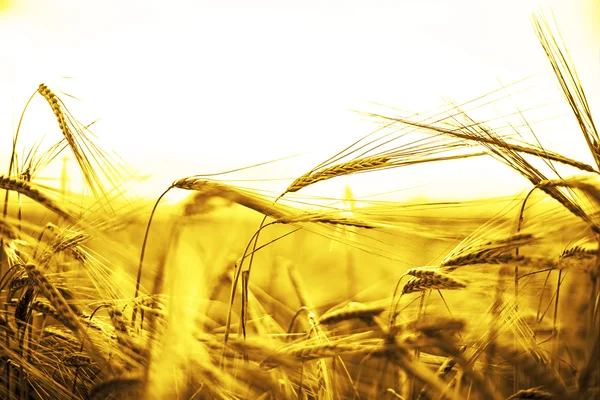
70	330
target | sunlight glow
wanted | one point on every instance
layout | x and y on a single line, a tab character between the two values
198	87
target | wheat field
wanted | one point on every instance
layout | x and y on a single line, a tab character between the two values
240	292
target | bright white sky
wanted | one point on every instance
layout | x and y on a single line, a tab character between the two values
188	87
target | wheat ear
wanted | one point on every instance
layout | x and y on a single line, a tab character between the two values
26	189
361	164
63	310
266	207
438	281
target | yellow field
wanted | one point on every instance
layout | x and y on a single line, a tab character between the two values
242	292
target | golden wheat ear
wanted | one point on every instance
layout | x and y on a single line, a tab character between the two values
261	204
437	281
98	167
